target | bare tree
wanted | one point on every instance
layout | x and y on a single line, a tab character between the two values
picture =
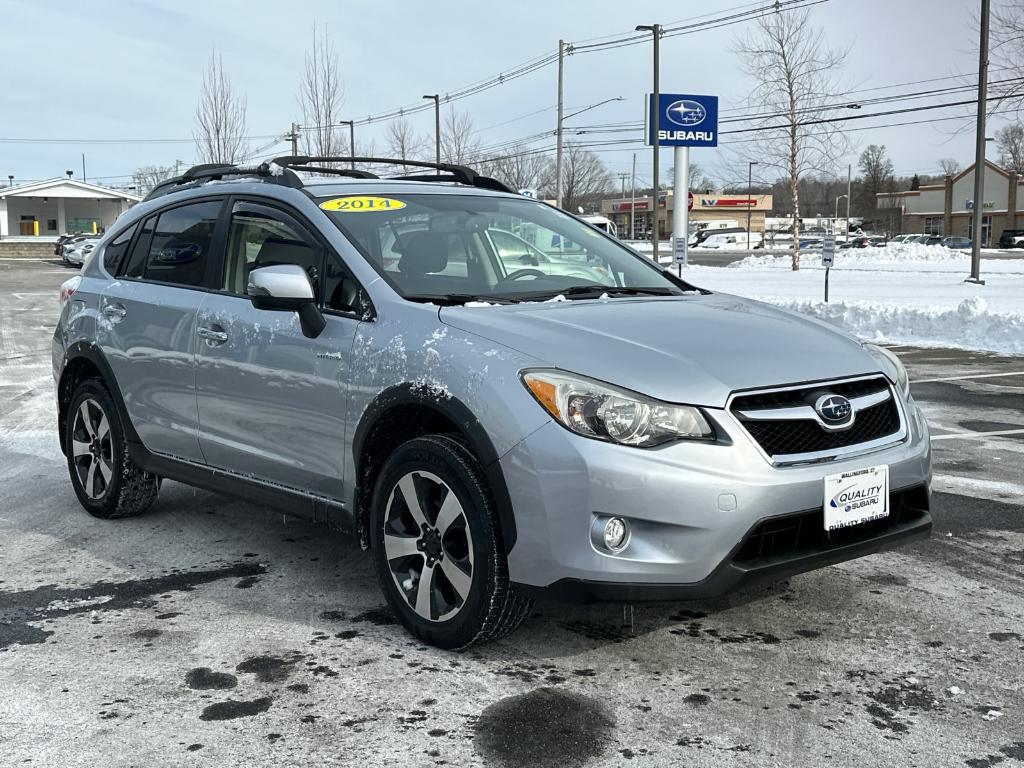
459	144
148	176
403	142
876	176
584	178
320	96
1006	54
519	167
949	166
1010	140
220	117
795	78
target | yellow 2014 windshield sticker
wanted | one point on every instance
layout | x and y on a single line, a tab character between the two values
362	204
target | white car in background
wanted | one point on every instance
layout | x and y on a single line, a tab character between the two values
78	249
734	241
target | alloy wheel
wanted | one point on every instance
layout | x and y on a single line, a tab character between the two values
92	449
429	546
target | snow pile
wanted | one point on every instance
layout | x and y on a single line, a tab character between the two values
968	325
922	300
894	254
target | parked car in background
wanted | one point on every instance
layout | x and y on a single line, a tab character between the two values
1012	238
75	251
702	235
734	241
58	248
958	243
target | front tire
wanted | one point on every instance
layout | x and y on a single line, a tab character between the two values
437	547
107	482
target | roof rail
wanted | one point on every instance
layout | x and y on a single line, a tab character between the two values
199	174
459	174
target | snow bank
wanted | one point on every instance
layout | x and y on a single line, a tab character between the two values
969	325
913	255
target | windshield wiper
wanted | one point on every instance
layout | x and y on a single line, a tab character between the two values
596	291
456	299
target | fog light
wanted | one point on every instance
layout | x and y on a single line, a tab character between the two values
616	534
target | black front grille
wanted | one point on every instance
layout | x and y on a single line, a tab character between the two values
804	533
779	438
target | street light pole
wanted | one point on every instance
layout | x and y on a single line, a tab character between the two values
633	201
437	126
979	154
655	30
835	215
750	169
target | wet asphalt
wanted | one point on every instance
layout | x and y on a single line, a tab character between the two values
214	632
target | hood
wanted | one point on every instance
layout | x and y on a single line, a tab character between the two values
687	349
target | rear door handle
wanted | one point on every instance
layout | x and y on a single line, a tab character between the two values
214	334
114	311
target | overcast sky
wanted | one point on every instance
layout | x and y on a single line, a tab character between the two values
131	71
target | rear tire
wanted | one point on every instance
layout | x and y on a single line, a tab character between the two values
107	482
433	523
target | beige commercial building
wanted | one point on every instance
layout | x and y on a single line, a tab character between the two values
948	208
706	208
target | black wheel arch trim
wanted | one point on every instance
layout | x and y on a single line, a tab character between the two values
457	412
93	354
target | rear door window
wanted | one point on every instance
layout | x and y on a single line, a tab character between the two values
180	246
114	253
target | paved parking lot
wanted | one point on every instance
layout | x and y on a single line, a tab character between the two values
215	632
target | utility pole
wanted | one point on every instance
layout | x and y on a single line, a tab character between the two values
979	151
83	167
437	126
558	124
294	136
849	188
623	177
750	169
655	30
632	203
351	138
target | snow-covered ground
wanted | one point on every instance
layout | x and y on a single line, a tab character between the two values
910	294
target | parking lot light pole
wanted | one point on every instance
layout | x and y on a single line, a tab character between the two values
835	215
750	169
655	30
437	126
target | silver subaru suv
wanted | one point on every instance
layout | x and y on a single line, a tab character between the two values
498	400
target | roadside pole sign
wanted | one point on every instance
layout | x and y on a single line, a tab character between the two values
828	258
684	121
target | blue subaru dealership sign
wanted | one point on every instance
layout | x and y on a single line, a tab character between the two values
684	120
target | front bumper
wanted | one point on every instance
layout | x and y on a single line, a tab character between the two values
693	509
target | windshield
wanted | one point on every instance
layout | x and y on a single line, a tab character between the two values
459	248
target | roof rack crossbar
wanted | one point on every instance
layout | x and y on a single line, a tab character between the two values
197	174
459	173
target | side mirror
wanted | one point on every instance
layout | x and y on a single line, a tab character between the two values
286	288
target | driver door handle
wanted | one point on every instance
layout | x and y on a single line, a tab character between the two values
215	335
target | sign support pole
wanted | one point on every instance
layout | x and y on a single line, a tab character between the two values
680	212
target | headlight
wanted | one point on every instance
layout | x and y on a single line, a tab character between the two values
604	412
899	371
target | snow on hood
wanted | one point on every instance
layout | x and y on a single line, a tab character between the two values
693	349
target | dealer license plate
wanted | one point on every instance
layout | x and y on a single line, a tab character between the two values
854	498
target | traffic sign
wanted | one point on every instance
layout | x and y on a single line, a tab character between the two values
684	120
828	250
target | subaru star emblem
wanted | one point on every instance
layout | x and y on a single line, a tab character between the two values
833	409
686	112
